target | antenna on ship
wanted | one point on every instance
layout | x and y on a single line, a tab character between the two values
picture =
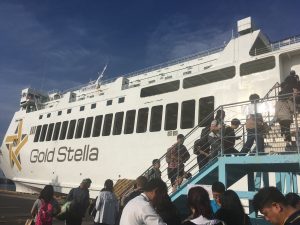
100	76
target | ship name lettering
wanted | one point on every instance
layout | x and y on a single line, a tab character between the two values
65	154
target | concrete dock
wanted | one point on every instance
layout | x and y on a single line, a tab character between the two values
15	209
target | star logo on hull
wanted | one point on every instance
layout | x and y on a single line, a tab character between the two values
14	145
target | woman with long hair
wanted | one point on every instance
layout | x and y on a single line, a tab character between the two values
106	205
199	204
232	211
45	207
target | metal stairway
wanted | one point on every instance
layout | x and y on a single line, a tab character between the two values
277	165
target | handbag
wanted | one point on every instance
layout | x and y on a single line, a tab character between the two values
29	222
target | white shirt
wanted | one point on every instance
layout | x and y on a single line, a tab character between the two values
139	211
203	221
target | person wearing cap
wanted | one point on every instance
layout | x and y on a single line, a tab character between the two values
79	198
230	138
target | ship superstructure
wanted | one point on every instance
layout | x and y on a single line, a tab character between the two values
113	129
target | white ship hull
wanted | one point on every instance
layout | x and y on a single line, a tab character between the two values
64	163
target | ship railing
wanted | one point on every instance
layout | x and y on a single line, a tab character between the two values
177	61
274	140
275	46
152	68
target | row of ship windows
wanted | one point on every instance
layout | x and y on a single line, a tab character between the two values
247	68
92	126
82	108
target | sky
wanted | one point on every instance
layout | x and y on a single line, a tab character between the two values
59	44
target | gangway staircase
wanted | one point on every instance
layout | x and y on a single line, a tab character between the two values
278	165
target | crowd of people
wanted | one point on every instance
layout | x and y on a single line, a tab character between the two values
150	204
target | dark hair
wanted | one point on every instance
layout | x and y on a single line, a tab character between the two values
47	193
157	184
180	136
292	199
220	114
231	201
266	196
254	97
108	185
141	181
235	122
160	188
218	187
198	199
154	161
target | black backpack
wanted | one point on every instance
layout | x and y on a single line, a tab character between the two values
289	83
203	141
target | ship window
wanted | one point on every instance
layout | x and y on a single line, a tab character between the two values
160	89
59	113
171	116
81	108
121	100
88	127
48	115
156	117
37	133
206	108
63	131
258	65
142	120
69	111
56	131
118	123
71	129
109	102
97	126
79	128
41	117
210	77
129	122
50	132
187	114
93	105
43	133
107	124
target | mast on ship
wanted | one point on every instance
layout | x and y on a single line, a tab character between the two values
100	76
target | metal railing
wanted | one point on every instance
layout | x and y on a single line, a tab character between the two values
274	142
275	46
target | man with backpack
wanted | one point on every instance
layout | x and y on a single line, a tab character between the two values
202	147
79	198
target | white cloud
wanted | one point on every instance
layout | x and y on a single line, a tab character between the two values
171	38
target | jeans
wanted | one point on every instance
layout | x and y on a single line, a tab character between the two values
251	137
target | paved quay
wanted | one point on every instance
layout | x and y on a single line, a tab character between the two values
15	208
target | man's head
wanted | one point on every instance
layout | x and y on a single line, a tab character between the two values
254	97
235	123
86	183
272	204
156	163
220	114
218	188
292	72
141	182
156	190
293	200
180	139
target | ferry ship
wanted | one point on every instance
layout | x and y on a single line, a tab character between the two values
115	128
